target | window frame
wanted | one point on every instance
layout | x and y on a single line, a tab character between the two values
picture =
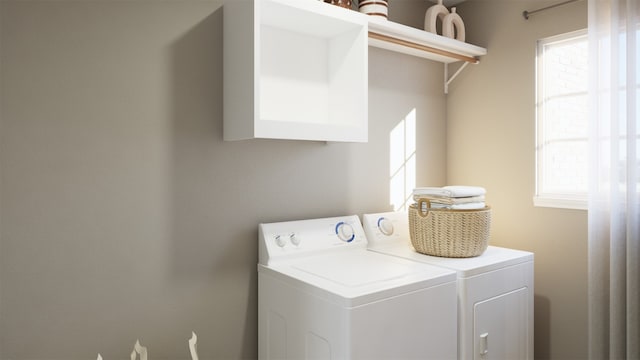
576	201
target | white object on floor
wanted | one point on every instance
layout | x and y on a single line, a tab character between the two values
142	351
193	344
139	350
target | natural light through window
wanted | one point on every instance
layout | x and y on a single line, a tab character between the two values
562	121
402	162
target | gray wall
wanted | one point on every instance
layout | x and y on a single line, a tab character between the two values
491	142
124	215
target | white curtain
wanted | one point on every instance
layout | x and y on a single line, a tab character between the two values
614	214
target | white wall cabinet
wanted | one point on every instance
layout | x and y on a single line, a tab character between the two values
298	69
294	69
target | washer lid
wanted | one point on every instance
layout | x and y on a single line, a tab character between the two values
357	277
492	259
359	270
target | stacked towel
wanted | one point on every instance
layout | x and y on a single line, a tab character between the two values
452	197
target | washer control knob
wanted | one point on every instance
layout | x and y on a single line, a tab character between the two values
280	241
294	239
345	232
385	225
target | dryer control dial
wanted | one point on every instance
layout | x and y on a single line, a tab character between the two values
345	231
385	226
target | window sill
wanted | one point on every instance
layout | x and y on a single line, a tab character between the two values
560	203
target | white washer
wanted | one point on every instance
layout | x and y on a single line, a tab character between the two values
495	290
323	295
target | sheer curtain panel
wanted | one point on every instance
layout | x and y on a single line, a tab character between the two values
614	215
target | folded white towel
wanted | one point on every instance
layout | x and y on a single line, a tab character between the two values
429	191
464	191
469	206
449	200
450	191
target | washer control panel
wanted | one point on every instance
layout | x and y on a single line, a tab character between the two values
303	237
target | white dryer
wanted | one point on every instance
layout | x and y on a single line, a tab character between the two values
322	295
495	290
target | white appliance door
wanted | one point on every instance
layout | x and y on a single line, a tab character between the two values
500	327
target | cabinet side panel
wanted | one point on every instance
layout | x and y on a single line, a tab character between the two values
348	84
238	69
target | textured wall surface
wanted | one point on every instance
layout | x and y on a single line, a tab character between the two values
124	215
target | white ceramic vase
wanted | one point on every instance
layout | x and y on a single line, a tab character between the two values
435	13
453	27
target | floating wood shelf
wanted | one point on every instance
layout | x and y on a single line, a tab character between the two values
405	39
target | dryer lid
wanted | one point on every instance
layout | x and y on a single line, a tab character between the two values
493	258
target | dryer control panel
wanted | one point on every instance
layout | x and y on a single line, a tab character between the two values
291	239
386	228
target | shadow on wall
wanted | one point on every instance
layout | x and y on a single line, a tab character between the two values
542	327
209	259
196	128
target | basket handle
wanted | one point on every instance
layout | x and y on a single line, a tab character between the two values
420	202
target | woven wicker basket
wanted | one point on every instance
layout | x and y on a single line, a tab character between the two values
449	233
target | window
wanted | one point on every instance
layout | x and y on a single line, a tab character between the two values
561	121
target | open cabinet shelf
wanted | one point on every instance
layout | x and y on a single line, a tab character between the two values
298	69
294	69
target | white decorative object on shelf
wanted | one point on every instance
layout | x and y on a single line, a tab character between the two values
342	3
453	27
379	8
451	23
294	70
435	13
